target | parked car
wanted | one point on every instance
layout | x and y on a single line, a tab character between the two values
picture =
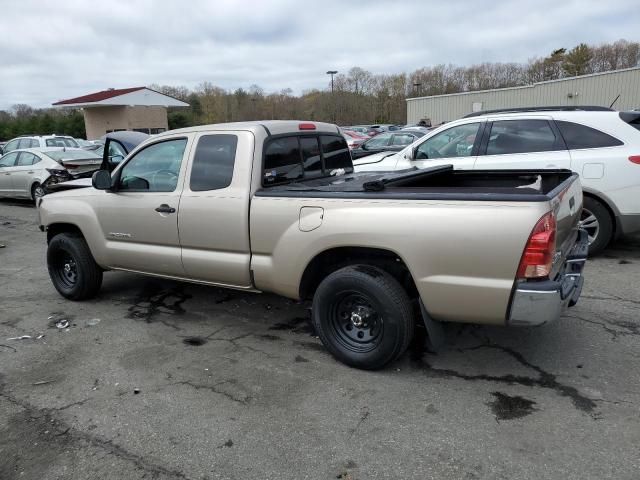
354	139
274	206
365	129
86	144
113	148
386	142
602	145
387	127
40	141
417	128
23	172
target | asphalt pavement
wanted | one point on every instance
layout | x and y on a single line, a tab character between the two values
164	380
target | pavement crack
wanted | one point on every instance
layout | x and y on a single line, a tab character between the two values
544	380
364	414
612	297
241	399
628	328
47	417
234	341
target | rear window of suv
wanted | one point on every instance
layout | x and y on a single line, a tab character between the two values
298	157
579	136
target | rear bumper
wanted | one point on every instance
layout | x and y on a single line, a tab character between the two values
537	303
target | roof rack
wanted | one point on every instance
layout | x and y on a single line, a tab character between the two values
563	108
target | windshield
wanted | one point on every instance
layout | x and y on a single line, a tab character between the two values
61	142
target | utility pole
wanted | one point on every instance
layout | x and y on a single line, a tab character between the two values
417	87
332	73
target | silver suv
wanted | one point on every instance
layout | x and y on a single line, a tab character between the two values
39	141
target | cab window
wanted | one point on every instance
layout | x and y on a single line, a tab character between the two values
296	157
155	168
454	142
213	162
335	153
282	162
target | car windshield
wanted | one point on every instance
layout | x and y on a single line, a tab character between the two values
61	142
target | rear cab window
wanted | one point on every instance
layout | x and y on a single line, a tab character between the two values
291	158
579	136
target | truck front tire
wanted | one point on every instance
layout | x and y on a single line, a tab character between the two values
363	316
72	269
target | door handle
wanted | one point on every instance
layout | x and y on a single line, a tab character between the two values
164	208
29	172
7	173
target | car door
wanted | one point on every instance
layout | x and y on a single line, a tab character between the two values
7	165
213	216
522	143
138	217
457	145
23	173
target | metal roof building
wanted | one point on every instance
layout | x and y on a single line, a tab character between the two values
595	89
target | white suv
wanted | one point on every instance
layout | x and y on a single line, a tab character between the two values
602	145
39	141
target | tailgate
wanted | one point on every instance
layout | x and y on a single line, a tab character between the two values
566	203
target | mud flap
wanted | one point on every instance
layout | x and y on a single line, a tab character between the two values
435	332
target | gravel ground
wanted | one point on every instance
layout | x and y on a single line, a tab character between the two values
163	380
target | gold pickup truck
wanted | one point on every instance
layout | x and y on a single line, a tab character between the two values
274	206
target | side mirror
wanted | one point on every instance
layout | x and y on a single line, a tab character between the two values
1	151
101	180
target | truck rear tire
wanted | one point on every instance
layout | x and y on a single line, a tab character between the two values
363	316
597	221
73	271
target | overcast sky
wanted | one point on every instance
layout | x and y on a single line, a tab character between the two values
56	50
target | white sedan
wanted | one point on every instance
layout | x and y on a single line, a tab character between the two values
22	172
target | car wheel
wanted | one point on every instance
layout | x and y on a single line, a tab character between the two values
597	221
72	269
37	191
363	316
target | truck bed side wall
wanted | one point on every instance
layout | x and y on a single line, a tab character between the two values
462	255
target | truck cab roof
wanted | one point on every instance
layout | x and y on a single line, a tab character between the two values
268	127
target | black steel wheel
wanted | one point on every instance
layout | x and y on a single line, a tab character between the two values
72	269
363	316
356	323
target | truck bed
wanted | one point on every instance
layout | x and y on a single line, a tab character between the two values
437	183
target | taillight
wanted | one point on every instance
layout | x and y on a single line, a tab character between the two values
634	159
306	126
537	257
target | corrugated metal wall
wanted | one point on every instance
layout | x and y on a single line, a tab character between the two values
596	89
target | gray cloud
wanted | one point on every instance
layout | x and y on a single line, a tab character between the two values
64	49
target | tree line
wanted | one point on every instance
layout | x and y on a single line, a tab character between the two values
359	96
